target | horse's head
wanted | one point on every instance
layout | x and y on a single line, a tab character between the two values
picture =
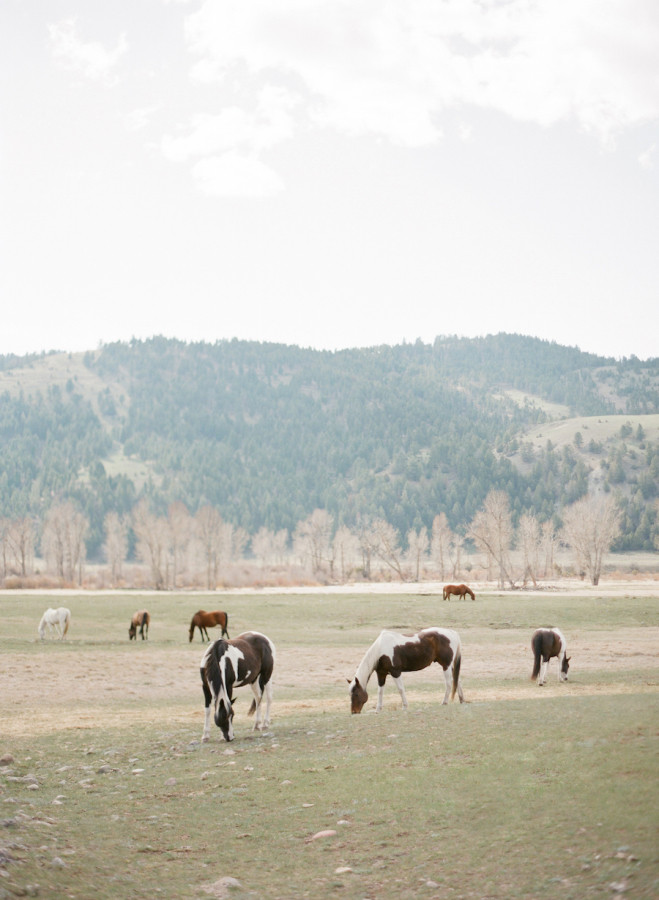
132	631
564	667
358	696
224	717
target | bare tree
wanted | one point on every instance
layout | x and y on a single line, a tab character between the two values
4	546
384	541
590	526
345	548
263	546
440	543
417	543
20	544
116	544
529	543
210	535
180	535
456	547
548	542
239	541
63	540
152	533
492	532
312	539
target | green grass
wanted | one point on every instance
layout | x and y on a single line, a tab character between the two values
548	795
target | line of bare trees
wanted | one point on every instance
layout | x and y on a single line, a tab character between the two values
180	549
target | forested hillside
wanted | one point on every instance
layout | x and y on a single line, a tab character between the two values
268	433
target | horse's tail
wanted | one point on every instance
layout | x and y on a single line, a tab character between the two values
457	661
67	619
192	627
252	708
536	646
225	627
444	593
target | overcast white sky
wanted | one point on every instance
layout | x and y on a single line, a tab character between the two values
329	173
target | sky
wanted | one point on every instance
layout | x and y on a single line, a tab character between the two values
329	173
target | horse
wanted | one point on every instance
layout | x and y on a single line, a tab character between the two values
57	621
547	643
203	620
140	620
458	590
392	653
247	659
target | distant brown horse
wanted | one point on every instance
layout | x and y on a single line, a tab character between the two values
203	620
458	590
140	620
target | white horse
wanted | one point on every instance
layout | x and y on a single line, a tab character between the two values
57	620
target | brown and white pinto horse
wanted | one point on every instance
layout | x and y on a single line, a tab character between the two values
393	653
247	659
547	643
140	620
457	590
203	620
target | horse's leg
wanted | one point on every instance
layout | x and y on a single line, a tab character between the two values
448	678
203	631
542	677
401	690
267	690
208	699
258	695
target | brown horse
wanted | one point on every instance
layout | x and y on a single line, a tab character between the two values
140	620
458	590
203	620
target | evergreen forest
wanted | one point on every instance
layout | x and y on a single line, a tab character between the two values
268	433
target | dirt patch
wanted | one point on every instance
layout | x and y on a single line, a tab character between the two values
129	688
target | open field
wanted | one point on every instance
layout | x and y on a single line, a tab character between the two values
522	792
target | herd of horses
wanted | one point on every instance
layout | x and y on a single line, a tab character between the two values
249	659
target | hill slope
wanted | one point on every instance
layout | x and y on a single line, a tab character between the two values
267	433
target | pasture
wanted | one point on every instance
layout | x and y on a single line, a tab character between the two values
522	792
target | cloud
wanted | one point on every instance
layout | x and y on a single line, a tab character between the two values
364	67
228	145
235	175
646	159
90	58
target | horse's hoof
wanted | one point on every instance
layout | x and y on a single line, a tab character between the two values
205	739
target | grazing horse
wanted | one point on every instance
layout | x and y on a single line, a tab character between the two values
393	653
140	620
203	620
57	621
247	659
547	643
458	590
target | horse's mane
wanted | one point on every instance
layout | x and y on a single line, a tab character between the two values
212	668
369	660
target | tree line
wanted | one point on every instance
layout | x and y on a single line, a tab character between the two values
269	433
179	549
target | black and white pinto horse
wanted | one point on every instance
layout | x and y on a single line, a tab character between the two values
393	653
228	664
547	643
57	621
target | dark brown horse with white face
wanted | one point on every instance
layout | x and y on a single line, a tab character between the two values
140	620
547	643
203	620
393	653
457	590
247	659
